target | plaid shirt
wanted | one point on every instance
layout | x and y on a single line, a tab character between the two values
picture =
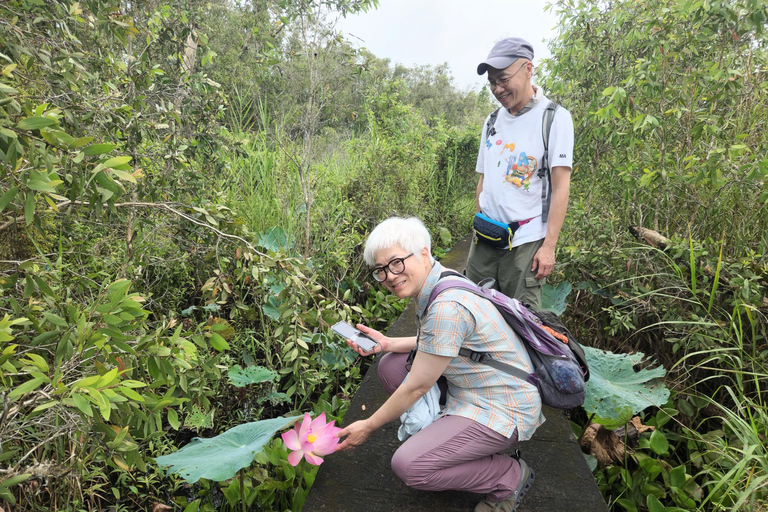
458	318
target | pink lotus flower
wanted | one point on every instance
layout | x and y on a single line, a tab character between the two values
311	439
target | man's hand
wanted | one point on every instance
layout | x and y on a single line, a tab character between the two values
383	342
355	434
543	261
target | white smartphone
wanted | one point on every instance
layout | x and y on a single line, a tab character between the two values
346	331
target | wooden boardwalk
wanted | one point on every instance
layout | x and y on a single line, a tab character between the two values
362	480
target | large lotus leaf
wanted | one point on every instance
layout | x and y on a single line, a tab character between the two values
220	458
553	299
241	377
614	385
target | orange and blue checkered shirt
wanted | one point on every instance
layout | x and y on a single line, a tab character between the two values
458	318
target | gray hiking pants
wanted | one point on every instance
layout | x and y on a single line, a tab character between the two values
510	268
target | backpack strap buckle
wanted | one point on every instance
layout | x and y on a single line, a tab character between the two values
478	357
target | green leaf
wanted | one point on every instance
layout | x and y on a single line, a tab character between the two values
199	419
14	480
553	299
124	176
131	394
34	123
627	505
274	239
218	342
133	384
591	461
82	403
614	385
112	320
271	311
44	406
106	379
4	493
659	443
193	507
107	182
221	457
104	407
241	377
27	387
29	208
173	419
41	186
120	286
55	319
38	361
98	149
43	286
86	382
654	505
6	198
115	161
78	143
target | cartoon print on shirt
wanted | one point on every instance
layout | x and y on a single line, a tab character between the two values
488	144
520	170
510	147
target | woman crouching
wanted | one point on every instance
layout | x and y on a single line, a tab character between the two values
486	411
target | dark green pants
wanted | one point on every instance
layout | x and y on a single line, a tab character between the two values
510	268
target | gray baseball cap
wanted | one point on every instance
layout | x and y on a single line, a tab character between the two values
505	53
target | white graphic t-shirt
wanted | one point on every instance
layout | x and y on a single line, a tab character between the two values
509	161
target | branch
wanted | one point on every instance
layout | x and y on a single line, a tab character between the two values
7	224
650	236
167	207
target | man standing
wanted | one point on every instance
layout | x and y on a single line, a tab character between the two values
514	187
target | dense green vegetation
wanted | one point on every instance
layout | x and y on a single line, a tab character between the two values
670	101
185	187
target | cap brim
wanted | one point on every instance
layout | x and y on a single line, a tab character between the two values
497	63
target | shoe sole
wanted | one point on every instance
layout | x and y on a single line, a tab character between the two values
526	487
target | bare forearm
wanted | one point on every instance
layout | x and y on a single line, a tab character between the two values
400	345
477	194
558	207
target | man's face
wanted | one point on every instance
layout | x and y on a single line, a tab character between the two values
512	84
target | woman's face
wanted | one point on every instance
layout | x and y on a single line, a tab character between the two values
410	282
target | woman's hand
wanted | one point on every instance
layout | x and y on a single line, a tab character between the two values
381	340
355	434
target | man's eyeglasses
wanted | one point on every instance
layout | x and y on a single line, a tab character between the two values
395	267
502	82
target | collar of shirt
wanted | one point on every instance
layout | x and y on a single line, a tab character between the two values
538	93
426	290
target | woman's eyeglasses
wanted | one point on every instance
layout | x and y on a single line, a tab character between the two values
395	267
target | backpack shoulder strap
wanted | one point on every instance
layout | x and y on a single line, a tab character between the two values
490	130
547	118
479	357
486	359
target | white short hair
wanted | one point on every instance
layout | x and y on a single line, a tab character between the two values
411	234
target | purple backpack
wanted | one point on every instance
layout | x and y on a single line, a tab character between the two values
559	369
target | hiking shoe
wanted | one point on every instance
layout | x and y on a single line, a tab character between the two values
510	504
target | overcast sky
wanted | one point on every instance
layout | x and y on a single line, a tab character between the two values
459	32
